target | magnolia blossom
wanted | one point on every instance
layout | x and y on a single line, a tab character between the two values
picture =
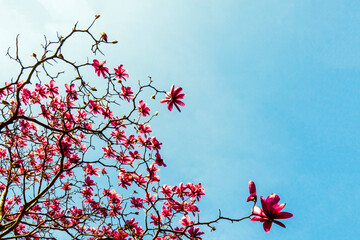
100	68
173	98
120	73
143	109
271	211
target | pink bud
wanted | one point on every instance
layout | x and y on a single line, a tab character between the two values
252	190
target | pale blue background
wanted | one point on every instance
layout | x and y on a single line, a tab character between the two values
273	95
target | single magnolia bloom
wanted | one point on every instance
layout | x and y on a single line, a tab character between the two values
120	72
252	190
186	221
100	67
173	98
271	211
143	109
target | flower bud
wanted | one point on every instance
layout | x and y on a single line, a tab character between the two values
252	191
104	36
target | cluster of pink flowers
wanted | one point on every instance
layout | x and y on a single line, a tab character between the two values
49	132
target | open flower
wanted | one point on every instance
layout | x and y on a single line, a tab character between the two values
143	109
100	67
252	190
271	211
173	97
120	73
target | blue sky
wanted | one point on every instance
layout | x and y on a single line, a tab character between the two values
273	95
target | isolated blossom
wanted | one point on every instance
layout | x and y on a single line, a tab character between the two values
271	211
100	68
252	190
173	98
120	73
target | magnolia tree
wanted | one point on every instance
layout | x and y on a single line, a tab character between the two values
51	181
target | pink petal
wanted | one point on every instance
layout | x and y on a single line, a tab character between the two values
258	211
273	199
180	103
250	198
253	219
172	90
180	96
284	215
170	106
252	188
267	226
177	108
264	205
280	207
279	223
177	90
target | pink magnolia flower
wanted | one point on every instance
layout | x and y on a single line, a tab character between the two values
155	219
89	170
185	221
145	129
41	90
126	93
120	72
144	110
52	89
173	97
252	190
271	211
71	92
194	233
100	68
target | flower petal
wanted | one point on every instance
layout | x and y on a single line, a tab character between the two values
267	226
261	219
272	200
280	224
258	211
280	207
264	205
284	215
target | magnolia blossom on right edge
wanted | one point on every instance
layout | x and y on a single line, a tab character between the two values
271	211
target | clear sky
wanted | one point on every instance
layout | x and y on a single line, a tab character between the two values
273	95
